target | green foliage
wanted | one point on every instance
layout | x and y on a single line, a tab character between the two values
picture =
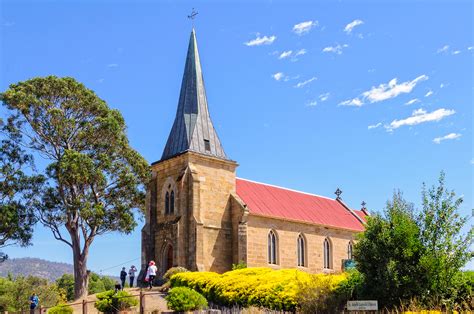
112	302
240	265
61	309
94	179
388	254
447	249
96	284
405	257
174	270
66	284
15	293
17	191
183	299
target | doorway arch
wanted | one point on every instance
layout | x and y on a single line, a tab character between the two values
167	258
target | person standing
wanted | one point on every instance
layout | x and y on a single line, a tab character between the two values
151	273
123	276
131	274
34	300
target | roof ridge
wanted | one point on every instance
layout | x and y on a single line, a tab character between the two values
283	188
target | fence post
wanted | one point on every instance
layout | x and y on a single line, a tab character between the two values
84	306
142	302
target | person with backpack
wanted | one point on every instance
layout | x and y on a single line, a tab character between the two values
123	276
34	300
151	273
131	274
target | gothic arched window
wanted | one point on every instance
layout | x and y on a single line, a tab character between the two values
301	250
167	203
349	250
327	253
172	202
272	247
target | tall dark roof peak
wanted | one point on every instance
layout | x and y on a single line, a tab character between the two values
192	128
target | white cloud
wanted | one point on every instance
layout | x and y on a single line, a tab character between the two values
450	136
412	101
304	27
112	65
278	76
384	91
285	54
265	40
324	97
312	103
456	52
472	161
370	127
101	80
349	27
301	84
356	102
443	49
301	52
441	85
470	48
392	89
420	116
429	93
336	49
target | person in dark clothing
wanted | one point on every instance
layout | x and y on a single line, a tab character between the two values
123	276
34	300
117	286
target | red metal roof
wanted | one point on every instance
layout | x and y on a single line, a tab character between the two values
361	214
277	202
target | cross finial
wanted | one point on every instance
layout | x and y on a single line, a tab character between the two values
193	15
338	193
363	204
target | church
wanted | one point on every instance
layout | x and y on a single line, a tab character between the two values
201	216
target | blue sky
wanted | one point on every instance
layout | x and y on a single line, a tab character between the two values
364	96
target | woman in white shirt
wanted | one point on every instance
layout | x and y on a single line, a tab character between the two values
151	273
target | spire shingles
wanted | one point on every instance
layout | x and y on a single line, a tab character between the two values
192	128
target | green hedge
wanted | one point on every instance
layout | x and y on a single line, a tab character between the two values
183	299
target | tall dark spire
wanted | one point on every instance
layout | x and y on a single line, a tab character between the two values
192	128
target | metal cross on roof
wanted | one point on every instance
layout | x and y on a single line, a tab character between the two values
338	193
193	15
363	204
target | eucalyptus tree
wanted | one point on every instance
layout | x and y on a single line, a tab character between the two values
94	178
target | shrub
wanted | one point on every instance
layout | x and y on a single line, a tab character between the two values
240	265
174	270
112	302
260	287
183	299
61	309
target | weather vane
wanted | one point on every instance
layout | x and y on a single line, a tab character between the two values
338	193
193	15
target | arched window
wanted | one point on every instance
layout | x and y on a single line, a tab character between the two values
167	203
301	251
272	247
172	202
327	253
349	250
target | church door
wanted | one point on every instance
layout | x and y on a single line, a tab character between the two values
168	258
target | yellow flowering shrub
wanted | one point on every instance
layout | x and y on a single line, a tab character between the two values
261	287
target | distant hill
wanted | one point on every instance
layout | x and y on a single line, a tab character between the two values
35	267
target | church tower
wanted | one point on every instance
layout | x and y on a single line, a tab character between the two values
189	212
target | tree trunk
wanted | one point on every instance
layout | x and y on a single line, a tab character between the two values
81	278
81	274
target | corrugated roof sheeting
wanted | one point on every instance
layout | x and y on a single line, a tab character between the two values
277	202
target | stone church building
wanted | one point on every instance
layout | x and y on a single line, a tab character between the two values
201	216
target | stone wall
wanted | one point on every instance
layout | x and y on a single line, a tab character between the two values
287	235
